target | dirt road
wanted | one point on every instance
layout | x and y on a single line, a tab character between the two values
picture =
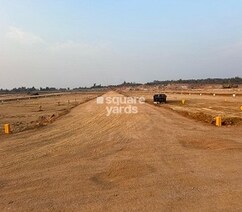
155	160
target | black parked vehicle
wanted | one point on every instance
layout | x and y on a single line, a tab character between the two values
159	98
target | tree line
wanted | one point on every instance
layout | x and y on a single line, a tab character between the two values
221	81
226	82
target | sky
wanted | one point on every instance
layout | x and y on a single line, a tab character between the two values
73	43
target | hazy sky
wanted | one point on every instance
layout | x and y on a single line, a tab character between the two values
72	43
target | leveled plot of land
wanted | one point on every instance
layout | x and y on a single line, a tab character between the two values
23	113
200	107
153	160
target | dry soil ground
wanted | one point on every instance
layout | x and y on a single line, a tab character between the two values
203	108
25	114
154	160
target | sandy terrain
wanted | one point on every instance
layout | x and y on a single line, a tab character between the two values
155	160
23	113
203	108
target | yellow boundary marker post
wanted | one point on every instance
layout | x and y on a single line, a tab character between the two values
7	128
218	120
241	107
183	101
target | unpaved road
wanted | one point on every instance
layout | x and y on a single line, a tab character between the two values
155	160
